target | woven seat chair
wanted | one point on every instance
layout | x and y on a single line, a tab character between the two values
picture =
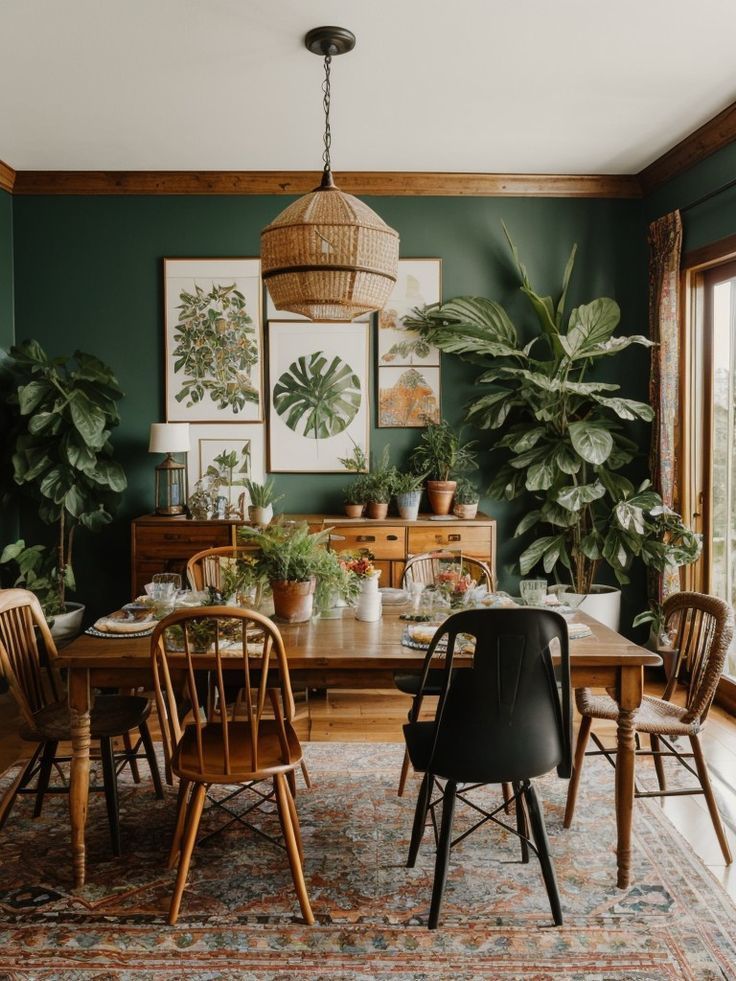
704	630
36	686
424	568
233	744
204	570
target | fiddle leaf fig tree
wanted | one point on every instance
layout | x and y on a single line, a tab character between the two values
561	439
63	411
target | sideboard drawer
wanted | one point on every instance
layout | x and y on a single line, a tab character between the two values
472	539
179	541
383	541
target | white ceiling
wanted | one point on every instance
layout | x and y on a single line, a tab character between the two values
532	86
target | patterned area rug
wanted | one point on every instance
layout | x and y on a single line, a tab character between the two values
240	916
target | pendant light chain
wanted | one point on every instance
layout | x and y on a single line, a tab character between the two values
326	106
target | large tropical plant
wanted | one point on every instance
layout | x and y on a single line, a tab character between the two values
63	411
562	440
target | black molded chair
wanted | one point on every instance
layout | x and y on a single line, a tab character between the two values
501	719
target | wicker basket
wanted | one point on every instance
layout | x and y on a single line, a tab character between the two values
328	256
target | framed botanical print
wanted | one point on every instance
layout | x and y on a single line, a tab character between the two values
408	396
318	391
236	451
213	340
418	284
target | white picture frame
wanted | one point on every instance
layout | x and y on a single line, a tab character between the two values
408	396
208	440
213	340
304	437
418	283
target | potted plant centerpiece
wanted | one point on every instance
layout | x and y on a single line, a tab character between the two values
354	492
336	586
262	500
379	487
62	413
408	493
289	558
443	455
466	499
561	441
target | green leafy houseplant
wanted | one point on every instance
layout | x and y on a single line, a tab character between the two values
561	439
409	483
335	584
263	495
379	485
441	452
37	571
63	412
466	492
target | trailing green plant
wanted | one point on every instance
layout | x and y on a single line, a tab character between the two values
37	570
379	483
409	483
287	550
63	412
261	495
441	453
561	441
215	348
466	492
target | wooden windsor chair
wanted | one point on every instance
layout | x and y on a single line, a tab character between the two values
704	630
35	683
204	570
425	568
221	748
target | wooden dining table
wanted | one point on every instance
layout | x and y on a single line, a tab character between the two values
350	653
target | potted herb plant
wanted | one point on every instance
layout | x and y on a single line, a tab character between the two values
442	455
262	500
379	487
63	411
336	586
561	438
466	499
354	492
408	492
289	558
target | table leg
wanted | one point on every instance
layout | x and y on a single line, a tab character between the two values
79	706
629	694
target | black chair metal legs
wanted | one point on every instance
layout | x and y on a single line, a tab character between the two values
442	860
539	832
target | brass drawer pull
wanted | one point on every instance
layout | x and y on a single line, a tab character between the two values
454	538
365	538
392	538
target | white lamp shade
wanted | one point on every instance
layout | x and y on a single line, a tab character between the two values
169	437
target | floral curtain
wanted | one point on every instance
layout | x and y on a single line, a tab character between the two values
665	248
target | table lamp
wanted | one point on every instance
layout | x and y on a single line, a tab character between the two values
171	475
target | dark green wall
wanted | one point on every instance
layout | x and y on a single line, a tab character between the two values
88	274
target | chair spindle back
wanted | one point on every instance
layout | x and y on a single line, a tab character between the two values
425	568
235	647
205	568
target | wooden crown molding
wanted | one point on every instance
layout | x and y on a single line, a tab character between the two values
7	177
296	182
710	137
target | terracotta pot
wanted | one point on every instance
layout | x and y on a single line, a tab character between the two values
440	494
377	509
466	511
293	600
354	510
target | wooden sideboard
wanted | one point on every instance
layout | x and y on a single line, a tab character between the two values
166	544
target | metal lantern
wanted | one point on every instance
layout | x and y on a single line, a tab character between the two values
328	256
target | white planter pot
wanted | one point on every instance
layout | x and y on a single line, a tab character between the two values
368	605
260	516
603	603
67	625
408	505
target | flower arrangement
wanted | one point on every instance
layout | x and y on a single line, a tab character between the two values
360	564
454	584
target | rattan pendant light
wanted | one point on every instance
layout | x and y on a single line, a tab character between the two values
328	256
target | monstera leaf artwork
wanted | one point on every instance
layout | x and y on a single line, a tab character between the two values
318	396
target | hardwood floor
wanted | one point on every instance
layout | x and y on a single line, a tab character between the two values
377	716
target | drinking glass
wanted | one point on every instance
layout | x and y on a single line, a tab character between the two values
168	577
533	591
415	594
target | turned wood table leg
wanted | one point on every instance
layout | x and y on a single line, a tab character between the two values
79	706
629	696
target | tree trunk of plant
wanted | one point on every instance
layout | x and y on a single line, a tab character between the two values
61	565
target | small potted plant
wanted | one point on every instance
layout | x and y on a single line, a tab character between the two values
466	499
354	494
442	454
336	586
408	492
289	559
262	500
379	487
